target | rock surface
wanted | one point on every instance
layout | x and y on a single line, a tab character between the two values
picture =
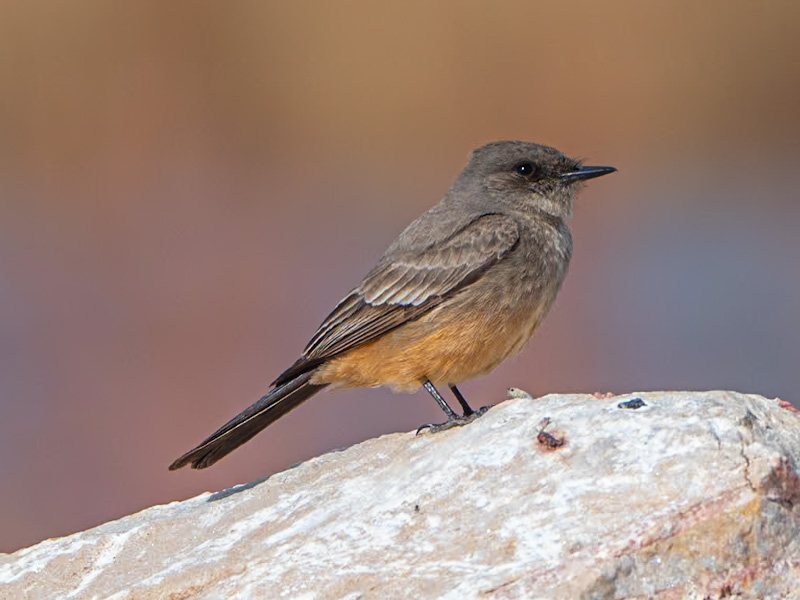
690	495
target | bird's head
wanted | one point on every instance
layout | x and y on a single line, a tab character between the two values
526	176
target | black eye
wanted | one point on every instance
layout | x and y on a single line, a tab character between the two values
525	168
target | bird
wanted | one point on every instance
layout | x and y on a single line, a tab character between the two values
463	287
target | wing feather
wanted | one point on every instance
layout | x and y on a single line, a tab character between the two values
405	285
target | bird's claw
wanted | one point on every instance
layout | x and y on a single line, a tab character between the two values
456	421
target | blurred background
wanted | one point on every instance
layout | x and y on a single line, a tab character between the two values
187	188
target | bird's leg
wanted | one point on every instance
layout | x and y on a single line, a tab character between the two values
439	400
468	412
453	419
461	400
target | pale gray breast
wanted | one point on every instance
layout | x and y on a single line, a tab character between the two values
524	286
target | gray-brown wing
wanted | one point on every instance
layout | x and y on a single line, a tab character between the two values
405	285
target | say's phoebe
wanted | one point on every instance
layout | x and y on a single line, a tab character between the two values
463	287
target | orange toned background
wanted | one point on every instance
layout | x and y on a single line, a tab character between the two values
186	189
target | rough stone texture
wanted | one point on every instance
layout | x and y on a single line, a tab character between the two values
694	495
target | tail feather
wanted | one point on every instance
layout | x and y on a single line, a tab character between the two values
249	422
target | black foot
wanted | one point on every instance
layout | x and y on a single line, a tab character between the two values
454	421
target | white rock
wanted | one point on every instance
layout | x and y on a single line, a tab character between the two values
692	495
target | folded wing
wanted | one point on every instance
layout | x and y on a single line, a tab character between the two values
405	285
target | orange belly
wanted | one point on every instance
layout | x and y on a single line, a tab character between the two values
448	345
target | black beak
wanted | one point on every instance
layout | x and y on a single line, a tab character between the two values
584	173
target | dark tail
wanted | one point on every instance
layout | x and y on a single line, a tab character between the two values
249	422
